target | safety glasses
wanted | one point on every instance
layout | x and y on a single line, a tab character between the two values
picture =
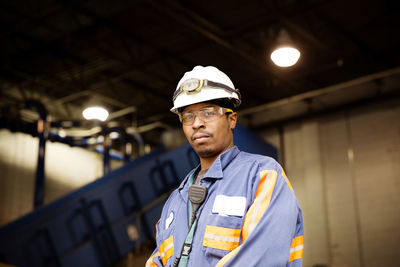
207	114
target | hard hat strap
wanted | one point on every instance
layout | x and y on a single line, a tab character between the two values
201	83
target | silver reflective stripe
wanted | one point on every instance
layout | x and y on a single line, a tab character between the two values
258	203
166	249
296	248
222	238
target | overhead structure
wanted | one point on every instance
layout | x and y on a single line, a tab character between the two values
132	53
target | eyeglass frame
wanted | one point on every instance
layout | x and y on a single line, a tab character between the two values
203	83
220	110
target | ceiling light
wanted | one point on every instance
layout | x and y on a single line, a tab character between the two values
95	113
62	133
114	135
92	141
100	139
285	54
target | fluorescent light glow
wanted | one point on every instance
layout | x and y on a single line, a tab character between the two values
100	139
92	141
114	135
62	133
285	56
95	113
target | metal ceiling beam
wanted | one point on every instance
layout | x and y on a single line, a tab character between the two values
393	97
115	78
366	50
37	45
256	65
111	24
86	93
121	112
274	16
320	92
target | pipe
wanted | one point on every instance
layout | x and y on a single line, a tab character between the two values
320	92
148	127
106	152
127	145
352	168
42	134
86	93
127	148
121	112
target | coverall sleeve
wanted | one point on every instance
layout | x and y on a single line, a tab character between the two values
272	233
154	260
162	251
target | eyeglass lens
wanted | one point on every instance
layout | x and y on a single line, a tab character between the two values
206	115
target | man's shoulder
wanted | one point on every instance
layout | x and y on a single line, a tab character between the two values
263	160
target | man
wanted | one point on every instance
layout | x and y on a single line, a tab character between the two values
236	208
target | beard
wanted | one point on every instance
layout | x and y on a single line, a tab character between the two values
205	152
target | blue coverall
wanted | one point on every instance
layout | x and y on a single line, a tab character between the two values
250	217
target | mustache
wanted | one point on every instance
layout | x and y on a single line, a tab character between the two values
201	132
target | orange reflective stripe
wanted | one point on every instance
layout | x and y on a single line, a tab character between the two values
219	244
222	231
297	248
261	202
166	243
166	249
257	209
168	254
297	241
287	179
150	262
221	237
296	255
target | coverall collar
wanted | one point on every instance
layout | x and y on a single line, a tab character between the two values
215	171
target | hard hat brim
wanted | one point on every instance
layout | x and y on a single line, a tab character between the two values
206	94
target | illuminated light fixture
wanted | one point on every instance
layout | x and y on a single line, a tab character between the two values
62	133
100	139
114	135
95	113
92	141
285	54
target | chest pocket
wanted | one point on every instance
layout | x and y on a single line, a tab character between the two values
221	235
224	226
221	238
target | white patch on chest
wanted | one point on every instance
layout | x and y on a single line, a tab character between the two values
169	220
229	206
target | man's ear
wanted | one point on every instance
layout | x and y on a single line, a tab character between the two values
232	119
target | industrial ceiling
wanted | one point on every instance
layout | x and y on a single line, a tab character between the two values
129	55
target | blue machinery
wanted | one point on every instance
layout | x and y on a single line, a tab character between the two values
102	221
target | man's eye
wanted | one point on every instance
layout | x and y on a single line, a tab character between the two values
188	116
209	113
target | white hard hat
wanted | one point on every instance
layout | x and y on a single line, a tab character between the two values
203	84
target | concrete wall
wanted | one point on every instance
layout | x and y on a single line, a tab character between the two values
345	168
66	169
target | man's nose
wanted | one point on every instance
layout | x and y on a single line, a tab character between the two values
197	123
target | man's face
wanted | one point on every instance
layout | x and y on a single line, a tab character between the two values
209	139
